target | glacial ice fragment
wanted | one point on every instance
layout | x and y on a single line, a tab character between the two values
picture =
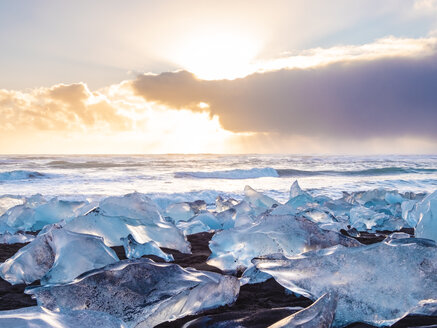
133	249
426	213
377	284
320	314
56	256
233	249
36	212
145	293
39	317
20	238
137	215
257	200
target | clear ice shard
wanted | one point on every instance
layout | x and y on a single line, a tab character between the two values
141	292
234	249
56	256
133	249
36	212
39	317
376	284
426	213
257	200
20	238
320	314
135	214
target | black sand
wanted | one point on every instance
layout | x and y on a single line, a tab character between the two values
257	306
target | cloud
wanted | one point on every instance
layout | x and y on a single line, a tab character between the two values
62	107
366	97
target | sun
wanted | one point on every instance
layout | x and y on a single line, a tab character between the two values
217	55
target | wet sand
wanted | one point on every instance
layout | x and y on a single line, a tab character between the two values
257	306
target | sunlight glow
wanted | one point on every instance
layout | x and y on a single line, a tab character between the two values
212	56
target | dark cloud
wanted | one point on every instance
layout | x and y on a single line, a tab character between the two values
387	97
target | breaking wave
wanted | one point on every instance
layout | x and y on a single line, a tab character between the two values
278	173
22	175
231	174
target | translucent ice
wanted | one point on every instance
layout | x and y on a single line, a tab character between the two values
233	249
141	292
426	213
133	249
298	197
36	212
112	228
57	255
20	238
376	284
320	314
257	200
39	317
185	210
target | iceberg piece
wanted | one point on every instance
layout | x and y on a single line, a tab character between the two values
298	197
56	256
112	228
39	317
233	249
134	206
426	213
7	202
363	218
376	284
141	292
36	212
185	210
257	200
19	238
223	205
320	314
133	249
407	208
192	227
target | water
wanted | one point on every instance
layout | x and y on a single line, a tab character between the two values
183	177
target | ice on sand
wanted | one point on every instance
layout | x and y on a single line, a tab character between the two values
377	284
145	293
234	249
39	317
135	214
320	314
58	255
133	249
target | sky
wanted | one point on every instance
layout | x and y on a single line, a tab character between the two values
303	77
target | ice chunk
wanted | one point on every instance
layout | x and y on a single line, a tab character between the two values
257	200
39	317
20	238
426	213
377	284
407	208
141	292
134	206
192	227
223	205
233	249
36	212
179	212
298	197
185	210
112	228
133	249
363	218
6	202
56	256
320	314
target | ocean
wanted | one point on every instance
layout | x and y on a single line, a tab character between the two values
170	178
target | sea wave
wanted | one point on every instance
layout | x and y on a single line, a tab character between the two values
279	173
91	164
231	174
22	175
364	172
